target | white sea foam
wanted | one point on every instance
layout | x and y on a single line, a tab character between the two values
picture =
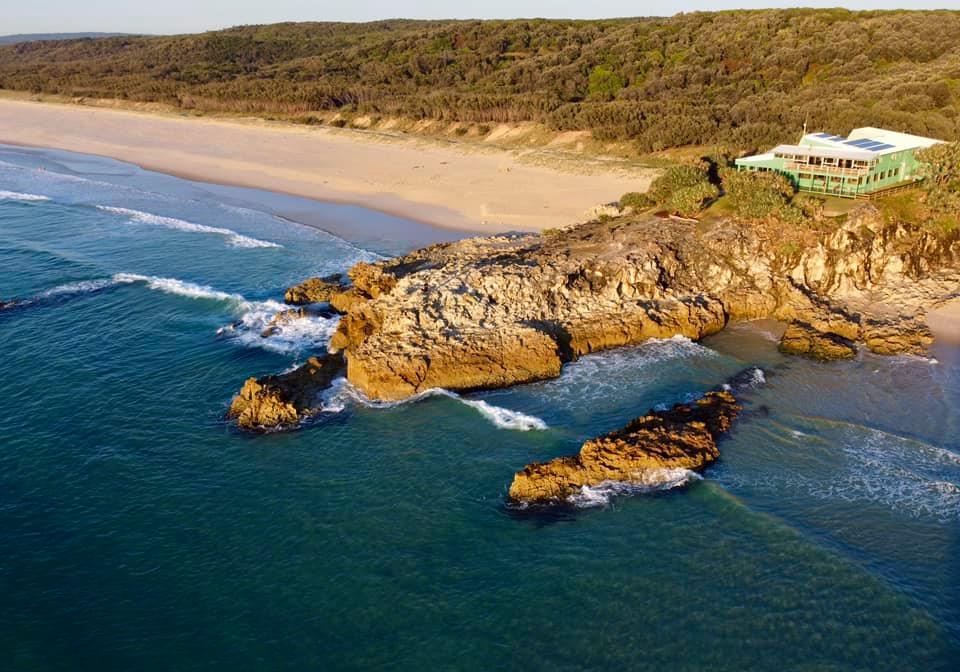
872	466
236	239
605	375
18	196
83	287
342	393
653	480
181	288
297	335
312	332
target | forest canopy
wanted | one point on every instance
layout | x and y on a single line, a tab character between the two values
742	80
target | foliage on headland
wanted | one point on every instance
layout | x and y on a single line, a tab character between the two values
741	79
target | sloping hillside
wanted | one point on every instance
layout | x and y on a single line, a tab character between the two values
740	79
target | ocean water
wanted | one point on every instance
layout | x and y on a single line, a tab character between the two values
139	530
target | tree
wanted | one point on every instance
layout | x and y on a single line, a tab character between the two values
941	172
604	83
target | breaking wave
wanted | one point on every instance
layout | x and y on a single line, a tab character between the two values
654	480
297	335
18	196
342	393
236	239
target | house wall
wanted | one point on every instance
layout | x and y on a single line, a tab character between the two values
890	170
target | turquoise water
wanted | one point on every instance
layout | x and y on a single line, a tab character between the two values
141	531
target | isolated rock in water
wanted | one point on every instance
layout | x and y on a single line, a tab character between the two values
314	290
803	340
283	400
683	437
897	337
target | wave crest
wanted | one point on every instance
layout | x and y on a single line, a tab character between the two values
342	393
18	196
235	239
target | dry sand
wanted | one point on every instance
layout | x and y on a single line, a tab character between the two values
453	185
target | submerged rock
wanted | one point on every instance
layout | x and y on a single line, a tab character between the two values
315	290
279	401
683	437
803	340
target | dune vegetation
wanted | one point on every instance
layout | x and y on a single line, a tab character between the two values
740	80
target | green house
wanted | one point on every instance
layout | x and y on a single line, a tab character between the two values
869	162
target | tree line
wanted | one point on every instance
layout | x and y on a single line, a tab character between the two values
740	79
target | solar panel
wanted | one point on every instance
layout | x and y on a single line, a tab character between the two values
881	148
859	143
838	138
824	135
871	144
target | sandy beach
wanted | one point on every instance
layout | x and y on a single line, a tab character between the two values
454	185
945	322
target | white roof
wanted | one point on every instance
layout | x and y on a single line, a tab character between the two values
875	141
901	141
759	157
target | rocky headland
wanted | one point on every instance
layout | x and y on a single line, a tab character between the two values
495	311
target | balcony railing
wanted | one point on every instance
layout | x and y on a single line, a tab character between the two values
827	170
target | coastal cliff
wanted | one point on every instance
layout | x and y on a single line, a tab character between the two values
490	312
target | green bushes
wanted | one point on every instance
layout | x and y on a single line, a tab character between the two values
683	189
745	79
636	200
941	171
759	195
603	83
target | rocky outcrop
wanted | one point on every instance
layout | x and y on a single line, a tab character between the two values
683	437
462	315
283	400
488	312
803	340
315	290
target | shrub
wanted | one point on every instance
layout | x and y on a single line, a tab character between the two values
603	83
757	195
941	171
690	201
675	178
636	200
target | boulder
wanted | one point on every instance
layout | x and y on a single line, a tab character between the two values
683	437
282	401
803	340
314	290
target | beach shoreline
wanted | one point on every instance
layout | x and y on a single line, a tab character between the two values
460	186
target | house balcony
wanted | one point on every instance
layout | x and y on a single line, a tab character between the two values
833	171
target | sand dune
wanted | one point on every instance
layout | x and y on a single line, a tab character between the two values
454	185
